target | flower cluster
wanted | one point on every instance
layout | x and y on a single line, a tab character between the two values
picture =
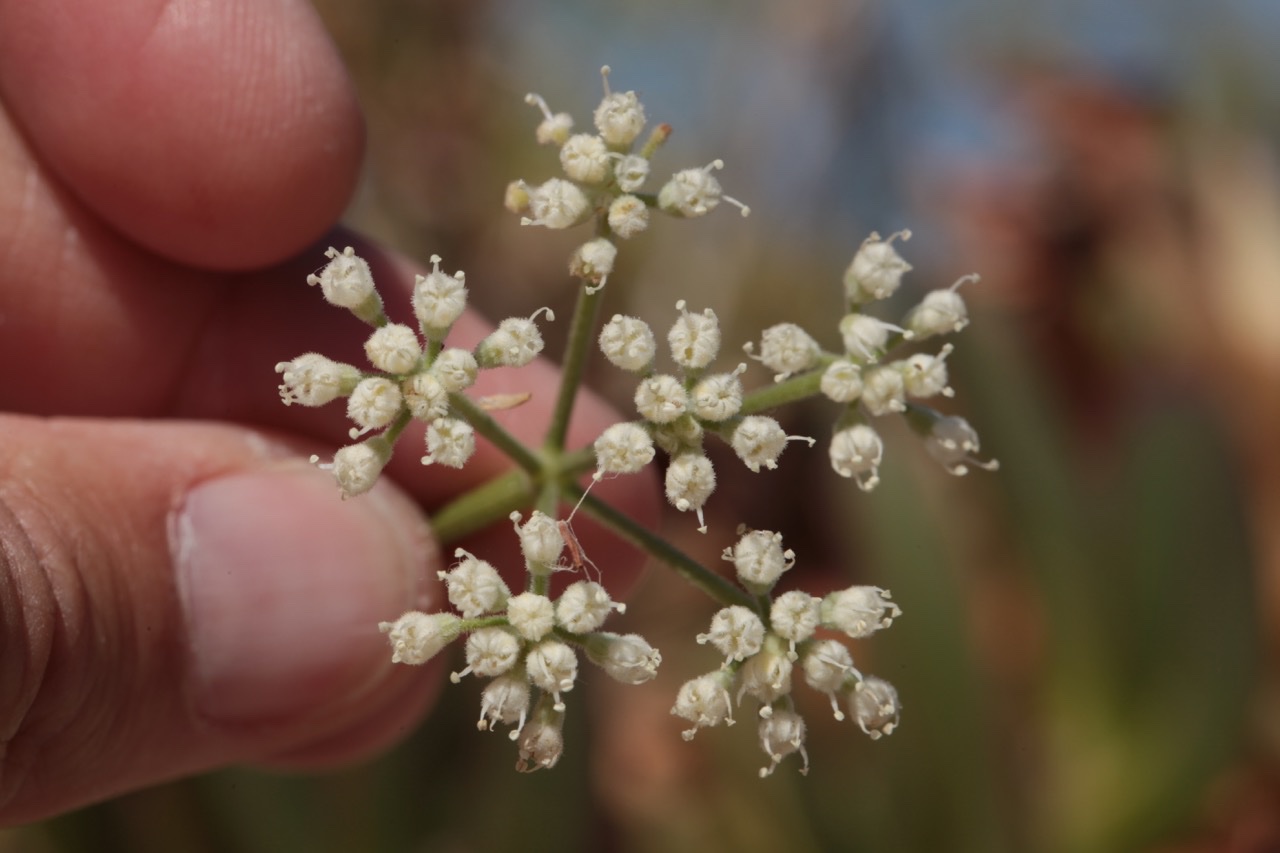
414	373
676	411
527	644
865	381
762	651
604	178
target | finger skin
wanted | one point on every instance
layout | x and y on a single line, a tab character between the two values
222	135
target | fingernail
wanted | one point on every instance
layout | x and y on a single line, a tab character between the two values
283	585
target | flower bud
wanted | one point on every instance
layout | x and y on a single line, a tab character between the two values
451	442
856	452
874	704
781	734
629	658
438	300
313	380
623	449
394	348
628	343
695	338
474	586
759	559
585	158
859	611
628	216
736	632
417	637
346	280
876	270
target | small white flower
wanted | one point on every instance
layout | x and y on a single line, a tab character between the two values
876	270
954	444
552	667
313	380
924	375
865	337
681	435
627	342
694	338
631	171
940	312
859	611
661	399
874	704
883	389
628	658
426	398
531	614
718	397
346	279
827	667
583	607
759	440
515	342
417	637
623	449
736	632
620	116
690	481
557	203
841	381
541	742
516	198
695	192
373	404
490	653
451	442
438	299
540	539
794	617
766	676
356	467
593	262
504	700
394	348
759	559
856	452
781	734
474	586
786	349
554	129
455	369
628	216
585	158
705	702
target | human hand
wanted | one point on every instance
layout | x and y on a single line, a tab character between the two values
177	592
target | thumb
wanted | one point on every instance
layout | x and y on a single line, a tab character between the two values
176	597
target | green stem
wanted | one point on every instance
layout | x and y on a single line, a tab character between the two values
690	569
581	334
781	393
482	506
484	424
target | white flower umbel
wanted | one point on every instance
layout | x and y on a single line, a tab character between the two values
541	541
583	607
541	742
694	338
842	381
781	734
585	158
628	343
346	280
356	467
876	270
593	261
425	396
690	481
474	586
505	700
438	300
759	559
736	632
515	342
623	449
555	128
883	390
313	380
394	348
455	369
924	375
759	440
628	216
490	653
628	658
827	667
874	704
794	617
859	611
552	668
786	349
373	404
695	192
940	312
556	204
451	442
417	637
954	444
718	397
661	399
705	702
856	452
532	615
865	337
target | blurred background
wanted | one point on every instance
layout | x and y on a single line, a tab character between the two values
1088	657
